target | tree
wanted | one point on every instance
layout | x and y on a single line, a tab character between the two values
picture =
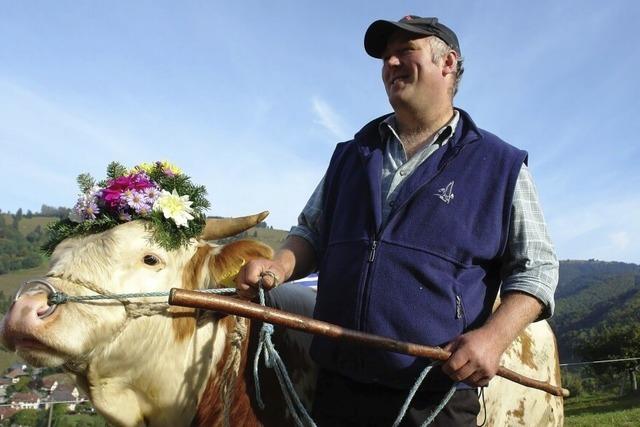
16	218
610	342
26	417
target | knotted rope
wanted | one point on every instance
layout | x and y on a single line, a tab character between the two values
273	360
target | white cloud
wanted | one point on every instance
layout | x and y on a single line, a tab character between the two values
620	240
326	117
602	229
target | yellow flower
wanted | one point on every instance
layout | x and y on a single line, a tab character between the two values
166	166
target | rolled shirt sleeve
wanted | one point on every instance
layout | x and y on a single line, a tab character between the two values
308	226
529	264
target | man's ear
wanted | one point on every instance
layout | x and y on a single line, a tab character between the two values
450	63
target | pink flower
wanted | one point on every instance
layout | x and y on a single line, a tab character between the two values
117	188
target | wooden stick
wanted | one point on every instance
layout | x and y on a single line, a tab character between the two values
238	307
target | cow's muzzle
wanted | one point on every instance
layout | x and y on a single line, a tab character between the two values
36	286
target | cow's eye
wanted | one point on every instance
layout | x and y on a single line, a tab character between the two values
151	260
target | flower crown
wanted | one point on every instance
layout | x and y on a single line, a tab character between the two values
157	192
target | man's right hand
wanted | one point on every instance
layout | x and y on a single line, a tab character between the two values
294	260
269	272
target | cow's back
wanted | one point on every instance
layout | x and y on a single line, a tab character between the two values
533	354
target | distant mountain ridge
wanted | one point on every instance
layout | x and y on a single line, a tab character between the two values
595	299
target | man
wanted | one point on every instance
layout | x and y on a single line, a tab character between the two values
416	225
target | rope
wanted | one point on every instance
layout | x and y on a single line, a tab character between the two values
272	360
412	393
61	298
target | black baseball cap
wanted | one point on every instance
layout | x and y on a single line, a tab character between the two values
378	33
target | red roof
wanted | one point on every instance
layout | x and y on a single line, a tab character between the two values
28	397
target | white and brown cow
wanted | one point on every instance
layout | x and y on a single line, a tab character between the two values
140	364
145	364
533	354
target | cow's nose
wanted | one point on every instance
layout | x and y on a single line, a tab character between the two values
38	288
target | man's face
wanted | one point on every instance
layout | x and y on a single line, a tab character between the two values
409	75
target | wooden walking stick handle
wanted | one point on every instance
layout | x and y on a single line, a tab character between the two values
238	307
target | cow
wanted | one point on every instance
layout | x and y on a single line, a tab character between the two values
143	363
534	354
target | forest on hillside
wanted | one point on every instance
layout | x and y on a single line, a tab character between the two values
597	310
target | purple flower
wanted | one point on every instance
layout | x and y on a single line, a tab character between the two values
152	193
138	201
86	208
114	195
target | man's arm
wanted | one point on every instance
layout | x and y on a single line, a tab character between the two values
529	278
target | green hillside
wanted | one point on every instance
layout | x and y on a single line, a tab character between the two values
597	310
577	275
28	225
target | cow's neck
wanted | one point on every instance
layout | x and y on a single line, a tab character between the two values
226	396
141	381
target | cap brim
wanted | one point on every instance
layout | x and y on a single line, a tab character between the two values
378	33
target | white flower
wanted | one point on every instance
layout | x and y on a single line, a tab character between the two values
178	208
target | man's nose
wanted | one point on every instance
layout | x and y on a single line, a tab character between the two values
392	61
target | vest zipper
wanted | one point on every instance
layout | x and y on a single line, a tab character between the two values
372	252
365	289
459	311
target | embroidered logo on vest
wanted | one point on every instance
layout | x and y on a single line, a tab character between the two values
446	193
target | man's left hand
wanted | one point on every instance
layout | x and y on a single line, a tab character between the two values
475	355
475	358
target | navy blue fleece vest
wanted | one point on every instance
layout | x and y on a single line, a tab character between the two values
432	271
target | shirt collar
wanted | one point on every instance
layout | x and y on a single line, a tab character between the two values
387	128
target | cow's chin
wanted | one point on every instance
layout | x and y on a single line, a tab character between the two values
40	356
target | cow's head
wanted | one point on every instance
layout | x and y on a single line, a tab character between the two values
123	259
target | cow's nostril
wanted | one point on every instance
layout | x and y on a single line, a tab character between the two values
35	287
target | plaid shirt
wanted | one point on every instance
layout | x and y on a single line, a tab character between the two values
529	263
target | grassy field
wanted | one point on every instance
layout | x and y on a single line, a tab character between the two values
9	282
607	410
27	225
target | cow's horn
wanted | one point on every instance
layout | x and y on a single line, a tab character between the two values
218	228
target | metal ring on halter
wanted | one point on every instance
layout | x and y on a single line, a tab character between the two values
271	274
37	286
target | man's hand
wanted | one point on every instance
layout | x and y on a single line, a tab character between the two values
475	356
295	259
265	271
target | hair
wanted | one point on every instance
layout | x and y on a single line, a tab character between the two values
439	49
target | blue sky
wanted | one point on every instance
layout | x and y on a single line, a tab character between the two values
250	97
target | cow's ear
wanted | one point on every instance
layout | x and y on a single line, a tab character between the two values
226	264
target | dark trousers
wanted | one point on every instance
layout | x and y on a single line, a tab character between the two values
341	401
